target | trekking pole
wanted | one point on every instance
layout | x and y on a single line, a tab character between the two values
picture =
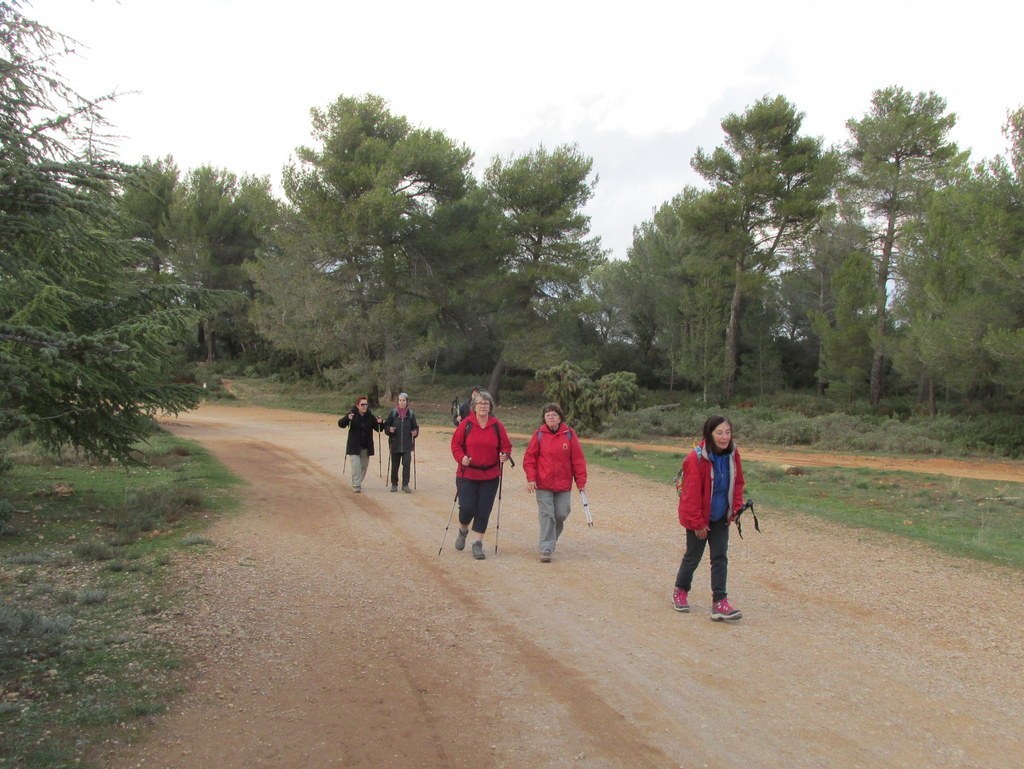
586	508
454	502
344	463
380	462
388	476
414	462
497	526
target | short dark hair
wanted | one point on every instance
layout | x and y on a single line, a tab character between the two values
709	427
552	407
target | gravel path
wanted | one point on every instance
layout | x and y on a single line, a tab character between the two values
327	631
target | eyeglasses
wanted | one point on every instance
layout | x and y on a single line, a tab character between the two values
363	405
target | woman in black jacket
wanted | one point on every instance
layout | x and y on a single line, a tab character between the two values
402	429
361	425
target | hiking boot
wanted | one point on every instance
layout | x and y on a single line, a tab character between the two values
460	540
394	487
723	610
407	490
478	550
679	602
545	556
357	489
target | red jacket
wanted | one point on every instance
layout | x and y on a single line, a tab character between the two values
554	460
695	498
482	445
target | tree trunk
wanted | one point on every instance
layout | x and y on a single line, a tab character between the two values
210	346
881	286
497	372
732	338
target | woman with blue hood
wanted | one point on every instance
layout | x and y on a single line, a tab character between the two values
710	498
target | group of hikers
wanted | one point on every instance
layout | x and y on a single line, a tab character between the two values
710	498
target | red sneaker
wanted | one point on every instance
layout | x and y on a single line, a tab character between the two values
679	602
722	610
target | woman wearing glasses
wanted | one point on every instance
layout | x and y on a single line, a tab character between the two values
361	424
480	446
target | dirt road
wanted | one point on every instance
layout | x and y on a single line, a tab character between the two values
328	632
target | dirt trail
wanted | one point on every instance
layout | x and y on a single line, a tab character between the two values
327	631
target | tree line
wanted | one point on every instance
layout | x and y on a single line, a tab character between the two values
888	265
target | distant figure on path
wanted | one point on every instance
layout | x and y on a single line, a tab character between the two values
361	424
402	429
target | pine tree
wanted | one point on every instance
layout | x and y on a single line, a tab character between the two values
86	345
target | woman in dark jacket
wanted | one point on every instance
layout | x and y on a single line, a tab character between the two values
361	424
402	429
711	496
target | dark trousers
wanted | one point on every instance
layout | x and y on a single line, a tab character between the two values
406	459
476	498
718	542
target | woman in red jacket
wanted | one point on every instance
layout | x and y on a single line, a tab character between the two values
711	496
480	446
553	460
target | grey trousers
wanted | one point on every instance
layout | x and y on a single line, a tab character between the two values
360	464
552	510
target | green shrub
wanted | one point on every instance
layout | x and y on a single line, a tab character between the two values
15	621
94	551
91	596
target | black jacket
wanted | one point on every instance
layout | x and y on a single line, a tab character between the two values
401	441
360	434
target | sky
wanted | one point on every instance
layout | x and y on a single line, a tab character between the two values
637	86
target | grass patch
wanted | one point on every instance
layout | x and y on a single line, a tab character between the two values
964	517
82	583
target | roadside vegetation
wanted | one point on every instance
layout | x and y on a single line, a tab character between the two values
86	554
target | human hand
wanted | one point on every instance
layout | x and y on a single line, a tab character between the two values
531	487
391	430
466	461
502	456
701	533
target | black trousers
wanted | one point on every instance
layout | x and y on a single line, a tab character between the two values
405	457
718	543
476	498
